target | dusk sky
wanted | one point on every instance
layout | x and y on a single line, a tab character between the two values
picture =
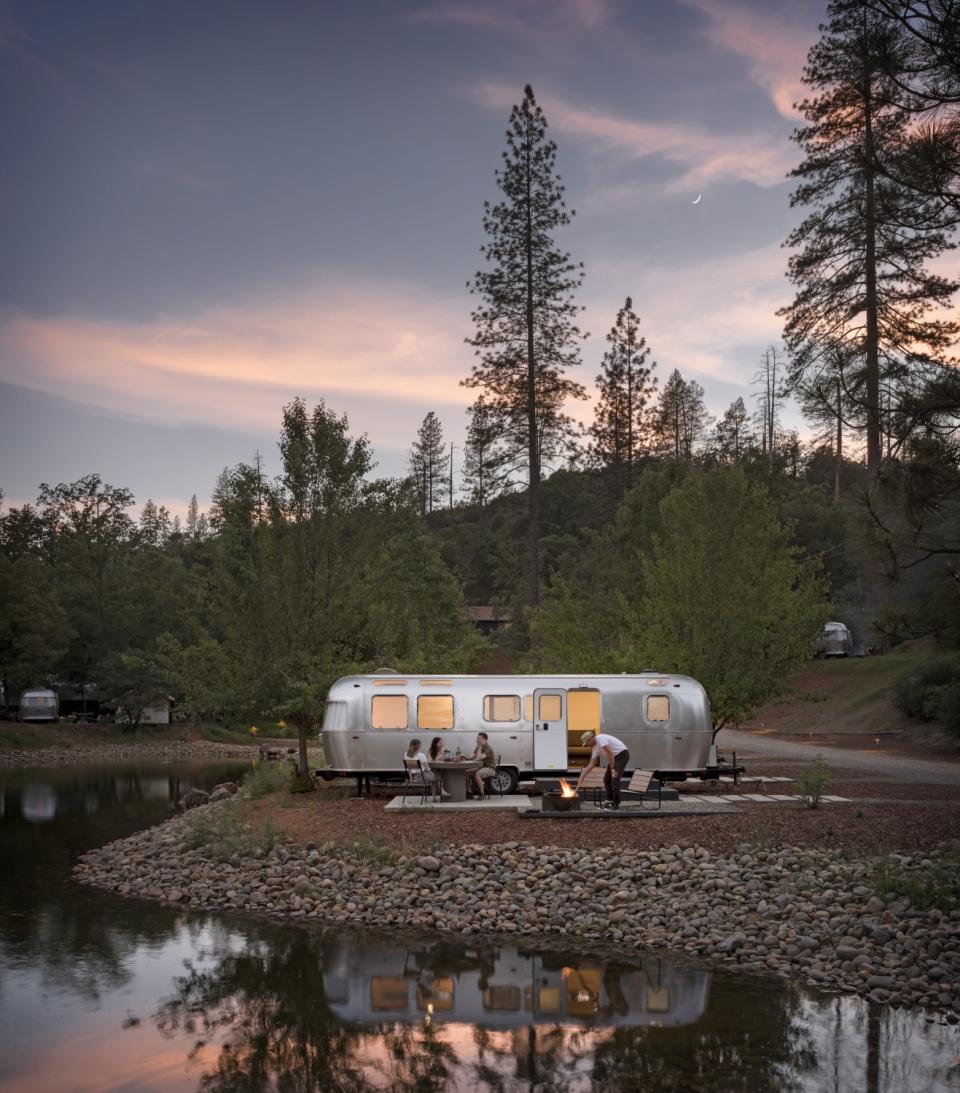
208	208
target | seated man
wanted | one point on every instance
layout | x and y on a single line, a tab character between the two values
488	769
617	758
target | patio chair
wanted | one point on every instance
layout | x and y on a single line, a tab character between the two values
640	783
418	780
593	784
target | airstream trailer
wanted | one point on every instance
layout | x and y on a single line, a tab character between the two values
534	722
835	640
39	705
509	988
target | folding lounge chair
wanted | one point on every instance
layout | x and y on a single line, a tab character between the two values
593	784
640	783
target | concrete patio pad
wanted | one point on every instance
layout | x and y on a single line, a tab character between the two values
702	807
495	803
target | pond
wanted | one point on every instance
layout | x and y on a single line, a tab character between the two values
98	993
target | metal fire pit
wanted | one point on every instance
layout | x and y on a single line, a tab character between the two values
554	801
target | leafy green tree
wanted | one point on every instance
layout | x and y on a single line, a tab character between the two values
88	534
726	599
526	333
131	682
34	629
626	385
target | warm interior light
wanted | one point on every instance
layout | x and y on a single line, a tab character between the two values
566	790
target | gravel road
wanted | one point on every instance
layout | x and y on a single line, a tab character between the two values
883	767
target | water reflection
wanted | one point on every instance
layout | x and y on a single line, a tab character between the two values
106	994
506	988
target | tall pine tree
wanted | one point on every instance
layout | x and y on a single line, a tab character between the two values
626	385
680	417
427	462
526	332
860	255
486	462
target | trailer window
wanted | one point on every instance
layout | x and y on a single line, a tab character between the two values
551	708
389	712
435	712
658	708
501	707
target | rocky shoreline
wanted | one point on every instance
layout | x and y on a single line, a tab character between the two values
161	751
803	914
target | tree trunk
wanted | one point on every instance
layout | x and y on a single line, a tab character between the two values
302	765
533	450
872	346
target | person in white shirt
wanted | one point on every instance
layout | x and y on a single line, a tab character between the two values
418	764
617	758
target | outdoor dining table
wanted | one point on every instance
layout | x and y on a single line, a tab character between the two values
452	776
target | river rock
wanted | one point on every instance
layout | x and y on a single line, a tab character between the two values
194	797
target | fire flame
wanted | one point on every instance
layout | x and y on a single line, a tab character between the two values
566	790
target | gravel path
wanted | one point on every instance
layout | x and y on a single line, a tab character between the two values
882	767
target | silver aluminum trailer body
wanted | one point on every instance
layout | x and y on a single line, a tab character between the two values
39	705
835	640
534	722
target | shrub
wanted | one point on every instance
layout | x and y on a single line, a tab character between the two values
813	781
923	693
266	778
222	833
937	885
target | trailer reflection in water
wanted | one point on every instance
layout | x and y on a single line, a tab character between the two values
508	988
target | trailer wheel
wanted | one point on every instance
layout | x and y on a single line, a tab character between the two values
505	780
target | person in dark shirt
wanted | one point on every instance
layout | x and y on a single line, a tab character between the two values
488	769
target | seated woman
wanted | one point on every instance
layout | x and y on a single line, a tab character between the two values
435	754
417	765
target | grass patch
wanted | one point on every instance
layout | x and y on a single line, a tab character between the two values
267	778
373	848
223	833
937	885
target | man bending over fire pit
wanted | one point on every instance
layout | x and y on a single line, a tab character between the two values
617	758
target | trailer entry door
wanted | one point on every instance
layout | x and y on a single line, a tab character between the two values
550	729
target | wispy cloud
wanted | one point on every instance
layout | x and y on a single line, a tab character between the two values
774	48
709	319
393	352
702	155
524	19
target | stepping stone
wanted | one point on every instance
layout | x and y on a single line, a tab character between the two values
781	797
831	798
763	798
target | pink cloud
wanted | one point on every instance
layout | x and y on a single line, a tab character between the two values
776	51
387	353
707	156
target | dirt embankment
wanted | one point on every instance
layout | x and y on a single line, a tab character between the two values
849	703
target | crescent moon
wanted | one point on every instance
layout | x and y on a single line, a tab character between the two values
697	202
